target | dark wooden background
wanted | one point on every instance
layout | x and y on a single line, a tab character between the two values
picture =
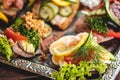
11	73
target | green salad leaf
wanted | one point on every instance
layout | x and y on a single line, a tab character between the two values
5	48
78	72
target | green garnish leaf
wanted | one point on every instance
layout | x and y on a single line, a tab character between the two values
97	23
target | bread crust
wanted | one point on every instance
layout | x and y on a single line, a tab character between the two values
66	23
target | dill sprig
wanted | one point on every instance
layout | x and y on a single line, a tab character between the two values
91	44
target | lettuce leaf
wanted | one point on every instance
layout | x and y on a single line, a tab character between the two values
78	72
5	48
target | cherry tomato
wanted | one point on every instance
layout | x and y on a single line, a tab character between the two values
15	36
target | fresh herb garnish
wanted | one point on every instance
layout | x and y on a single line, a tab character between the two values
97	23
78	72
32	35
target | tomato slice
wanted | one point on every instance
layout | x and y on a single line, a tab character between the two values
15	36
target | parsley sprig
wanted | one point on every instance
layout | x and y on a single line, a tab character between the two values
97	23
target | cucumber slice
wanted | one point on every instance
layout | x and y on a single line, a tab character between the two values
46	13
53	6
65	11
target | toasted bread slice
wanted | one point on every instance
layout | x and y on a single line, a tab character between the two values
66	23
58	20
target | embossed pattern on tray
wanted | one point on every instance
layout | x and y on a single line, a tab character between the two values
113	68
29	66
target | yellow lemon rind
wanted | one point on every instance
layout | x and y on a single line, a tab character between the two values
69	52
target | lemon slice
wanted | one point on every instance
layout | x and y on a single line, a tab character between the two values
61	47
3	17
61	2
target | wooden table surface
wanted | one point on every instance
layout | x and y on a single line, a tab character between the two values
11	73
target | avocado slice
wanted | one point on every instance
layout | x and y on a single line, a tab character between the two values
112	16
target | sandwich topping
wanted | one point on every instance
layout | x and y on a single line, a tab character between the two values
27	33
82	60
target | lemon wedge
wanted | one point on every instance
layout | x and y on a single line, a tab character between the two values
61	2
56	59
3	17
67	45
